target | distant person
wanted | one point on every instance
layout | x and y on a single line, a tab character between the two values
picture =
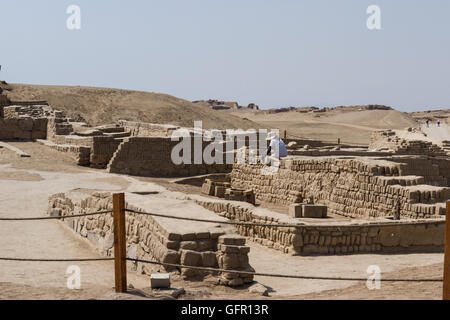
439	123
428	123
276	142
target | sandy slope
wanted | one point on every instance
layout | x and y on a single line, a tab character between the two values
349	126
103	105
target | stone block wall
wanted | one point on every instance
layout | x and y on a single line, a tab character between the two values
151	156
350	187
335	238
149	240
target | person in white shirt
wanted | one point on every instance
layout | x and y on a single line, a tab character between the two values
277	145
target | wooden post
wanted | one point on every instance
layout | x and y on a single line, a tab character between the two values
120	249
285	134
446	284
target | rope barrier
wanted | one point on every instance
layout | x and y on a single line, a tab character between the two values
57	217
219	270
55	260
193	267
278	275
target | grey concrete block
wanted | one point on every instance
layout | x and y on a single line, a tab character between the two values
314	211
160	280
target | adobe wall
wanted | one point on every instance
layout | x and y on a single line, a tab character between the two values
434	170
358	187
330	238
102	150
95	151
23	128
80	154
144	129
148	238
151	156
390	140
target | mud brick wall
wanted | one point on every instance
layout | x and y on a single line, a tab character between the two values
3	102
10	112
389	139
143	129
349	187
24	128
435	171
151	156
80	154
102	151
58	126
148	240
330	239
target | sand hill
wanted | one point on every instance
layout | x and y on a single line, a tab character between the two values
101	105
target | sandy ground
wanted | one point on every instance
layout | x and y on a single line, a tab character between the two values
26	183
437	134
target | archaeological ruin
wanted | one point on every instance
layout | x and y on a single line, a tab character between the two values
333	198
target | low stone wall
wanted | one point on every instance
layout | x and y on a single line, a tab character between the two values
80	154
342	152
350	187
151	156
23	128
331	238
149	239
144	129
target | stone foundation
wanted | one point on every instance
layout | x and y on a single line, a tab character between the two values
331	238
149	238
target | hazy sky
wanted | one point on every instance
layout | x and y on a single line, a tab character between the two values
275	53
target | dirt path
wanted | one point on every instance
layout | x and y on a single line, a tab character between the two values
272	261
47	239
437	134
390	290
